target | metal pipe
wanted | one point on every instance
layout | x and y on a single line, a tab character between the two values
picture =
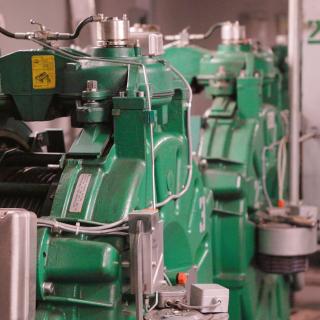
138	266
24	159
24	189
294	62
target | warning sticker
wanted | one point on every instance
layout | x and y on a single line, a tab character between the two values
43	72
79	193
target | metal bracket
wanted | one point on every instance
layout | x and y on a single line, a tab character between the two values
146	254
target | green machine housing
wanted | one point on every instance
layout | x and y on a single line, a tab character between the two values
134	155
238	147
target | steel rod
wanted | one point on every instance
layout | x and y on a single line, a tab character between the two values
294	61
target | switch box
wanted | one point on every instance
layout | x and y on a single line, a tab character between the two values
213	298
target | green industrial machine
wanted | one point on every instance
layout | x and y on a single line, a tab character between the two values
242	149
128	224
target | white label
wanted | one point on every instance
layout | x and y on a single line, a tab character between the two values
271	120
79	193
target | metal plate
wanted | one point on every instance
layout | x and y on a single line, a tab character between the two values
285	240
18	245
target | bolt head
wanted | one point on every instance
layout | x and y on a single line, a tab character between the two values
48	287
92	85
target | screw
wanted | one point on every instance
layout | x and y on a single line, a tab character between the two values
242	73
203	164
221	71
92	85
48	287
137	43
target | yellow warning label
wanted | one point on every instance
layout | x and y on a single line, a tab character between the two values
43	72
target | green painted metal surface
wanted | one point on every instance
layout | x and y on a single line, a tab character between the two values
248	92
112	154
210	226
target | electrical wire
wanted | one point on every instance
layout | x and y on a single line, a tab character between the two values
7	33
212	29
181	305
155	303
281	164
308	136
189	138
184	35
80	26
51	36
115	228
167	279
264	170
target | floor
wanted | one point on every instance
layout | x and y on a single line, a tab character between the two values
307	301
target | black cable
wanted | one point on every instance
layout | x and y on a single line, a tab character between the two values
80	26
212	29
69	36
7	33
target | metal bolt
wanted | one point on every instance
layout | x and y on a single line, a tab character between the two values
100	17
137	43
92	85
140	94
122	94
221	71
203	164
242	73
72	66
48	287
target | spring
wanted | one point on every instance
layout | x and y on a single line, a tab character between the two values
31	188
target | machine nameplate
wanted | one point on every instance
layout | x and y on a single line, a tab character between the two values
79	193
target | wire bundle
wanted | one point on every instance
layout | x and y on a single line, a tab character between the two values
118	228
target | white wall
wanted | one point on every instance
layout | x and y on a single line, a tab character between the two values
311	105
199	15
262	17
17	14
